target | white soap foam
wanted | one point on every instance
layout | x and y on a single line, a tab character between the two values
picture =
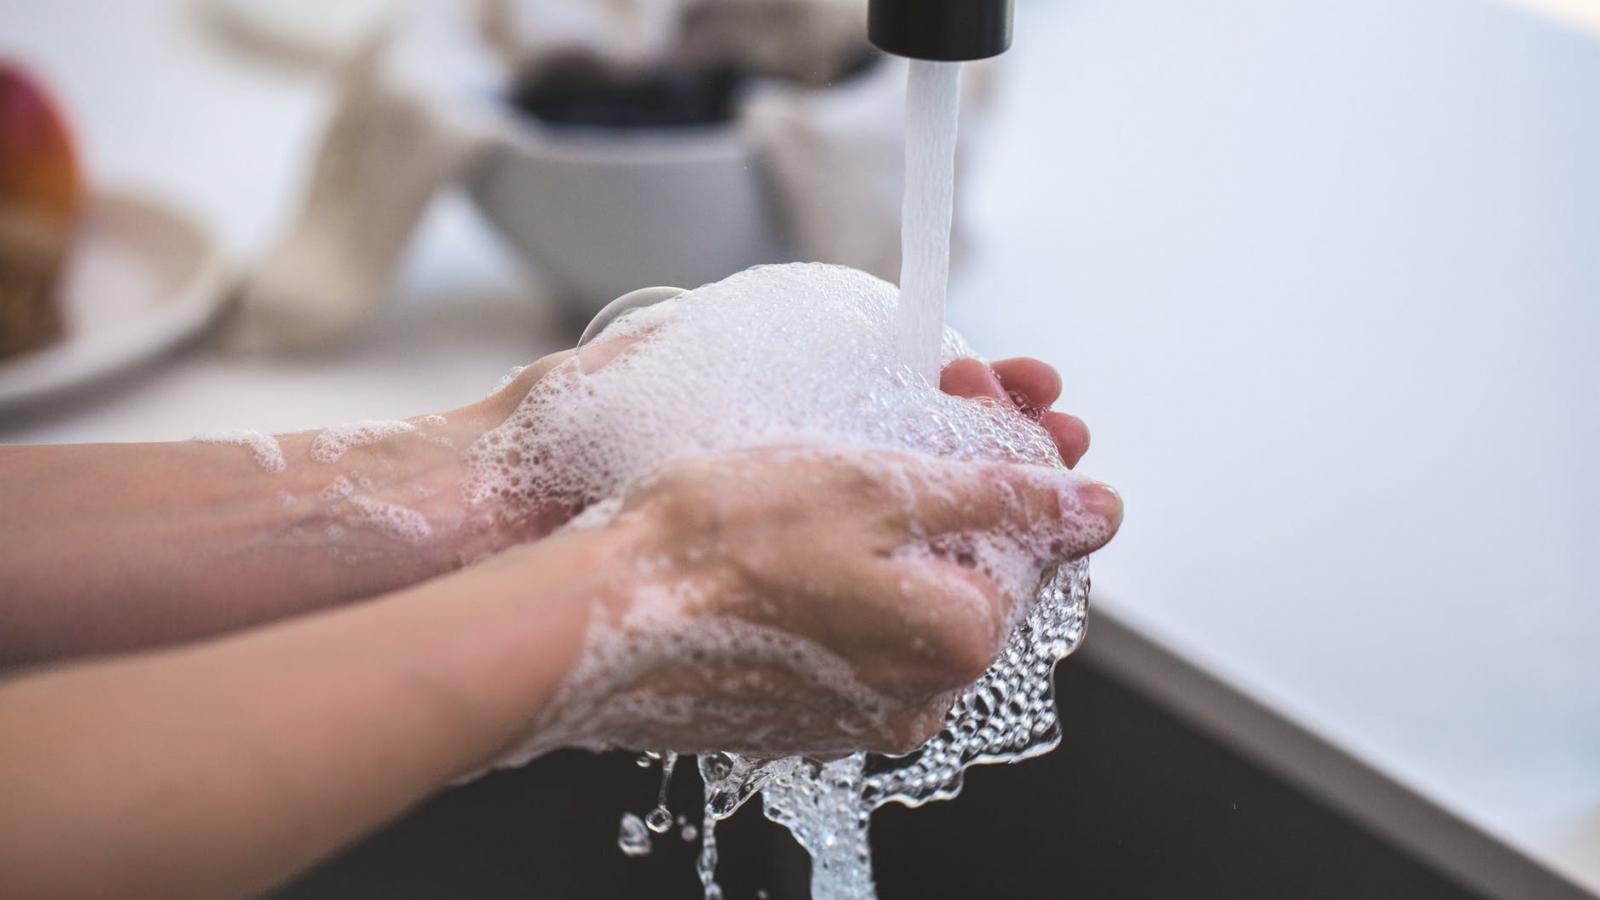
802	356
802	353
264	447
332	443
337	489
399	522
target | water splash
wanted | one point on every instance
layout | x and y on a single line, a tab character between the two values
706	865
1006	716
659	820
632	837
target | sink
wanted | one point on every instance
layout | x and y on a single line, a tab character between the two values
1135	803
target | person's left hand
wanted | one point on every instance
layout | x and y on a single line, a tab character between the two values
1025	384
406	466
1028	385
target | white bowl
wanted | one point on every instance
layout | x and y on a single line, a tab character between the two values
601	212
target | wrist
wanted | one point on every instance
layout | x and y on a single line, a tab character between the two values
386	502
386	505
519	628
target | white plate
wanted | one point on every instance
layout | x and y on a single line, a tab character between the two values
141	277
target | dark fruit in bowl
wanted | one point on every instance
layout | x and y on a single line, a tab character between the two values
41	194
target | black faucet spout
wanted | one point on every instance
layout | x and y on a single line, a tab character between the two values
947	30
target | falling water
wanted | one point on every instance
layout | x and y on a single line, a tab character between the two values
1008	715
933	100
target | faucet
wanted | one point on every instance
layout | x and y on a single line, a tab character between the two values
942	30
936	30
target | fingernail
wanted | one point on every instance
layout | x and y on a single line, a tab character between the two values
1099	499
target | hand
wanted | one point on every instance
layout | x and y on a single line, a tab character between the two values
785	600
1027	385
391	501
423	469
816	601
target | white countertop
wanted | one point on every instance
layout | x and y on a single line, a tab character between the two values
1322	276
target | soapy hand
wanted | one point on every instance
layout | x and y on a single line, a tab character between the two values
1028	385
815	600
803	600
421	468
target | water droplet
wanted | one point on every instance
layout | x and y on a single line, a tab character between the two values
717	766
722	803
658	820
632	837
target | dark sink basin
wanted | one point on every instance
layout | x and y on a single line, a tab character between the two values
1136	803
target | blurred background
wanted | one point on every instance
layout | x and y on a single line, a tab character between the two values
1322	275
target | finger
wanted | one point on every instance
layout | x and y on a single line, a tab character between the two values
1070	434
1031	383
972	379
1072	515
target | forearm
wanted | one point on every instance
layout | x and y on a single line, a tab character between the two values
218	769
112	547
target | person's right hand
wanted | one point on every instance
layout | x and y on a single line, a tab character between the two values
814	600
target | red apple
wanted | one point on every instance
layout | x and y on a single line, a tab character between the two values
41	192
